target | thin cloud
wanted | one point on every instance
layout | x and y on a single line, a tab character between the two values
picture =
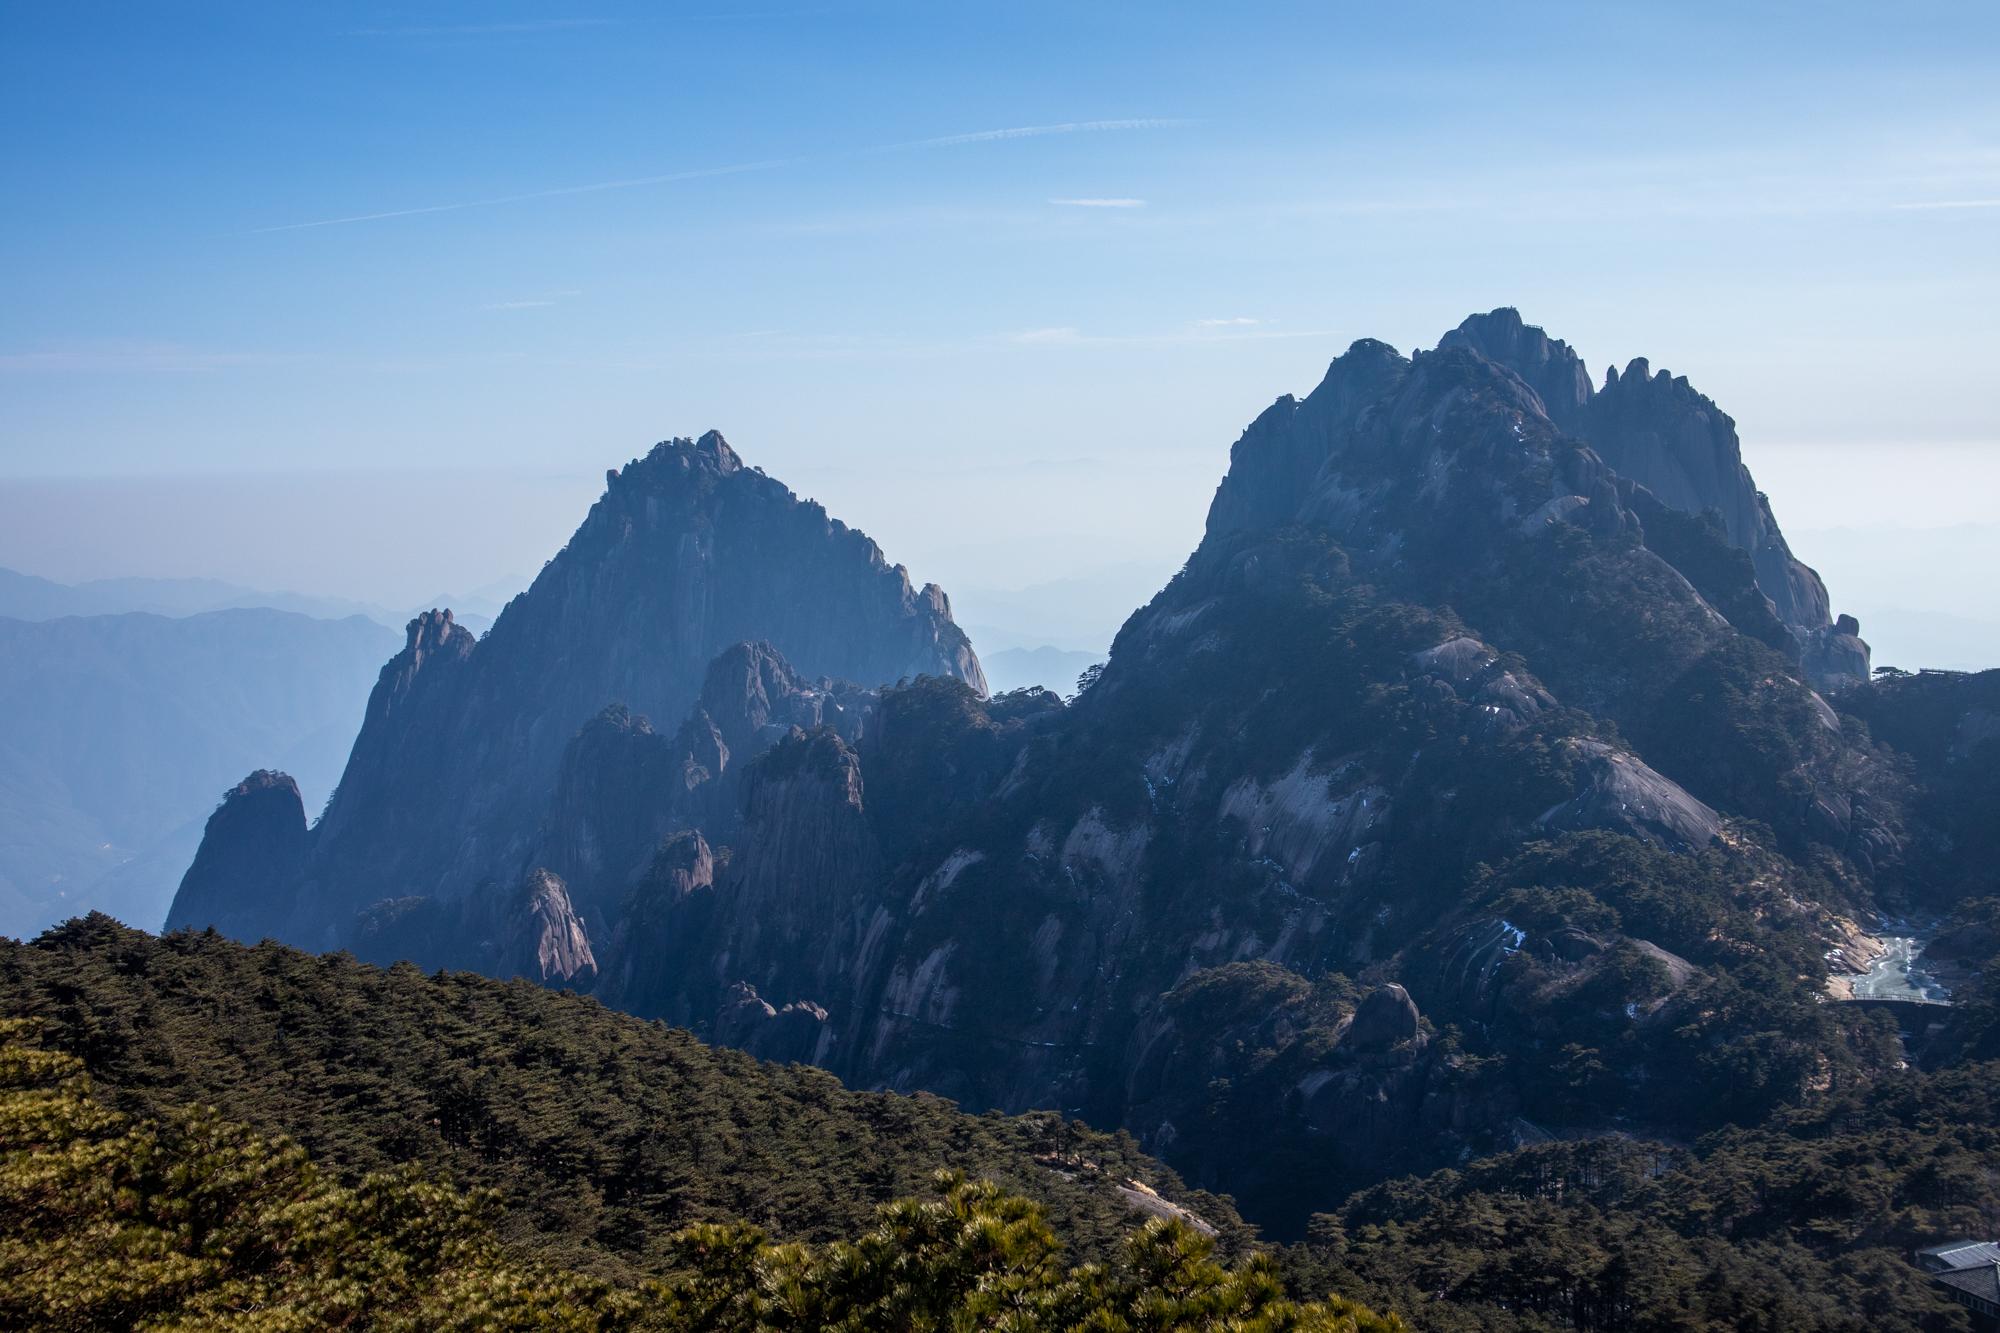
1099	203
1047	337
1947	203
532	302
737	169
1236	322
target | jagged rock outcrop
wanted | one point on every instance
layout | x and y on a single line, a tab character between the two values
448	794
658	962
1836	656
251	852
1547	365
548	942
788	917
1655	429
796	1034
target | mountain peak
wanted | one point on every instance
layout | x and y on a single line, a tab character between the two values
1547	365
1656	429
712	445
687	552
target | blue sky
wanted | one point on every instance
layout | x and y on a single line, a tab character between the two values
999	283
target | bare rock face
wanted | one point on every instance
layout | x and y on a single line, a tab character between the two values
550	944
1619	792
1280	459
1547	365
659	959
1387	1017
1835	655
797	896
755	698
682	867
461	752
251	850
1655	429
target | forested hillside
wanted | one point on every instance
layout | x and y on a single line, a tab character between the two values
190	1221
603	1134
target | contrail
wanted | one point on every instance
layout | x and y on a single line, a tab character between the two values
740	168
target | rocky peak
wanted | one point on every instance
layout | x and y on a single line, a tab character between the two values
711	445
683	865
753	696
804	831
432	640
670	462
1654	428
1279	458
688	552
1548	365
617	793
254	844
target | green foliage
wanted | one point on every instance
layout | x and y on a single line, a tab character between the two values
1941	721
1801	1223
972	1257
192	1222
1609	626
935	749
1733	1027
603	1134
1699	547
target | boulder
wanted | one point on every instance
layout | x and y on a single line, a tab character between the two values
1387	1017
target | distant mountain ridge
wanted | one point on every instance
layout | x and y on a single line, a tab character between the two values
117	733
30	597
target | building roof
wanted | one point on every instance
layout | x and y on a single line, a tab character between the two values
1964	1254
1982	1281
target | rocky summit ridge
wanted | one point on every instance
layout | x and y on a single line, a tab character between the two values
686	553
1491	727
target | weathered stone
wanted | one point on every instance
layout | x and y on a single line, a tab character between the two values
1387	1017
550	942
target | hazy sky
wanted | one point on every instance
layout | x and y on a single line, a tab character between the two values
364	299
